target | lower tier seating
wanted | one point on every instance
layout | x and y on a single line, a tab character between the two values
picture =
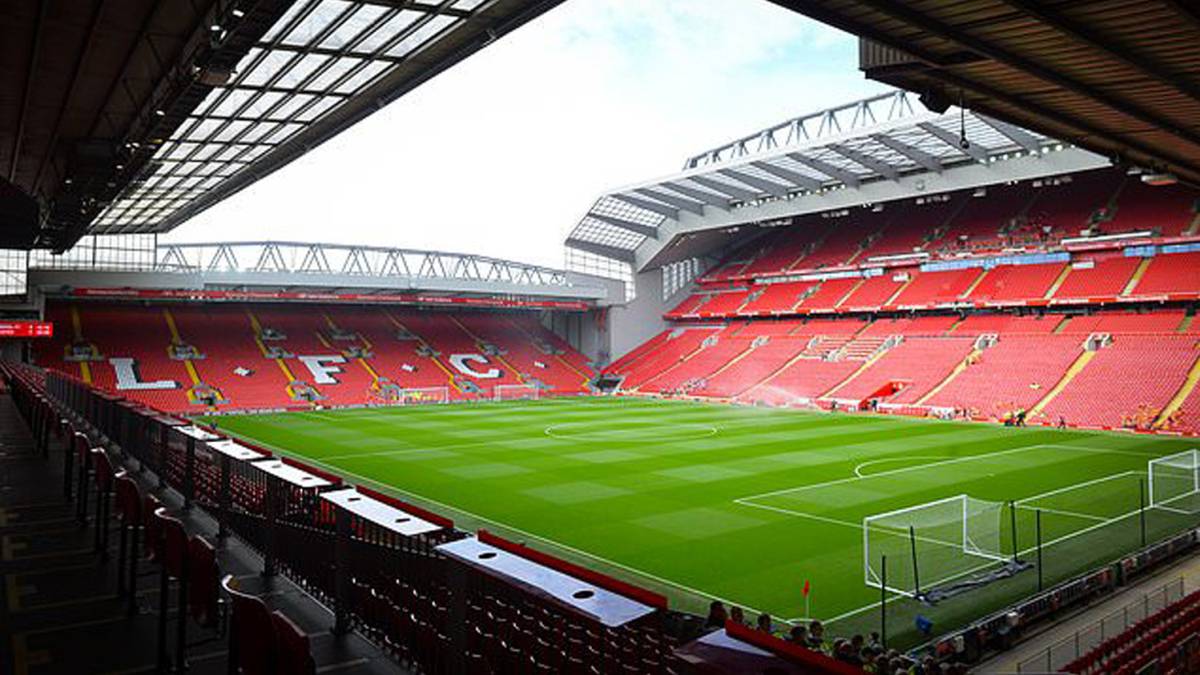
1105	369
193	357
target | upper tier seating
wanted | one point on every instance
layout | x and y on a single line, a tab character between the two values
1167	209
1107	278
872	293
933	288
361	349
724	303
1170	273
1015	283
977	227
1065	209
1125	322
776	298
829	294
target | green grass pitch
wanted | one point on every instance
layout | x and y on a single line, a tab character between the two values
743	504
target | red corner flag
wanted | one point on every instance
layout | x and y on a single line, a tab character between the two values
806	588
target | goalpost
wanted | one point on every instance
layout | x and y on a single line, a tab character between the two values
931	544
1175	482
516	392
423	395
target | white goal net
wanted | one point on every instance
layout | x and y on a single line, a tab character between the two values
515	392
423	395
1175	482
931	544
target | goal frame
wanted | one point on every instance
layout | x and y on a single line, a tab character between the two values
967	545
1194	456
441	396
499	389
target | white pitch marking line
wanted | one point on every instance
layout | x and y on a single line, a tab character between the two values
1068	488
884	460
955	460
1060	512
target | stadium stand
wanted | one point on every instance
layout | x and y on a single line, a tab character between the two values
1159	643
198	357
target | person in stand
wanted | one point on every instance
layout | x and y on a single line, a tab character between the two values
1062	422
716	615
736	615
764	623
798	635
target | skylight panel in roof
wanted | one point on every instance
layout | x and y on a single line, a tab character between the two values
316	22
258	131
267	68
232	102
258	107
180	151
283	132
291	105
317	109
208	101
231	152
286	20
361	78
389	30
202	131
352	27
230	131
334	72
421	35
300	71
468	5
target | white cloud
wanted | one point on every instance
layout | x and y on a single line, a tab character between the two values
503	153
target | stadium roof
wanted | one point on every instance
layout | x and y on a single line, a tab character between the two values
132	116
866	148
1115	76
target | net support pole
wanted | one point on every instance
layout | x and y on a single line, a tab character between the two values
1142	509
1012	519
1038	533
912	540
883	601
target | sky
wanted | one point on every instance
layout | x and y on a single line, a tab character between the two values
504	153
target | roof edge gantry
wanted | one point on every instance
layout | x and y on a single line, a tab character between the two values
864	151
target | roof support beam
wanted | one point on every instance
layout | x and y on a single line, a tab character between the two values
960	144
1083	130
1123	53
1015	134
952	34
768	186
646	204
794	177
34	53
922	158
678	202
699	195
847	178
725	188
864	160
624	255
628	226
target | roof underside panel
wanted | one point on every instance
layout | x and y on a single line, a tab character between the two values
132	116
319	68
1115	76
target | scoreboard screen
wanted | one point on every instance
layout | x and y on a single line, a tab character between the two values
26	329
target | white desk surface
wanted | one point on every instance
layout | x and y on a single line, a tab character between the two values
384	515
290	474
603	605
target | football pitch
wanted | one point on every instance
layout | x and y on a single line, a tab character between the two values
742	504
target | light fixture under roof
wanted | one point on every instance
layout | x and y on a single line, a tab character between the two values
1159	178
